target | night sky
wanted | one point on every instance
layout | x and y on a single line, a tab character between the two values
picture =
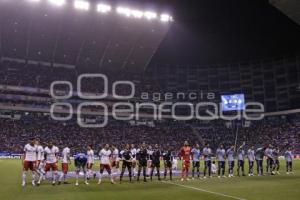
218	31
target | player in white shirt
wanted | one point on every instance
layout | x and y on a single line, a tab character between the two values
175	164
115	158
134	165
104	156
90	162
65	162
51	157
29	159
40	165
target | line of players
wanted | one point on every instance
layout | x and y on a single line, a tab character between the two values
43	160
231	155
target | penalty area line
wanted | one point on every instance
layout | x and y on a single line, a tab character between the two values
202	190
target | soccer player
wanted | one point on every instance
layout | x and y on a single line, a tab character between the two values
241	160
276	153
126	157
149	161
155	158
104	156
230	157
185	154
65	165
251	158
259	156
142	155
81	163
51	157
207	160
29	159
168	159
134	165
269	155
115	161
196	154
221	157
288	155
40	165
90	162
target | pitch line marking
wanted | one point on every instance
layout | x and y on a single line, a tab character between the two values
207	191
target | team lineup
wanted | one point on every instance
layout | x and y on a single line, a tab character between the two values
146	161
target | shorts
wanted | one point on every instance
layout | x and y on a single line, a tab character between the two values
104	166
64	167
38	162
89	165
168	164
142	163
50	166
29	165
196	164
155	164
185	164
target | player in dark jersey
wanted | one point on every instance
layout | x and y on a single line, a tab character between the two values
126	157
241	160
155	158
276	166
81	163
142	157
168	159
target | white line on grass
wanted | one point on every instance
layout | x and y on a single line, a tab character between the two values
202	190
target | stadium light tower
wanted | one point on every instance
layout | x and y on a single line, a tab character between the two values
103	8
81	5
150	15
57	2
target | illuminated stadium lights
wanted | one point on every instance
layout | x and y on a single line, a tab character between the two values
34	1
57	2
124	11
103	8
165	18
150	15
137	13
82	5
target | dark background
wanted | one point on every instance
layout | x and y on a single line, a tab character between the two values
218	31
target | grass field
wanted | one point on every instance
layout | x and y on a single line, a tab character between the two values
277	187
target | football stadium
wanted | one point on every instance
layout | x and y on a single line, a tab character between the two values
149	99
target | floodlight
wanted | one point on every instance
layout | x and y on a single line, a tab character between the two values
165	18
103	8
82	5
124	11
34	1
137	13
57	2
150	15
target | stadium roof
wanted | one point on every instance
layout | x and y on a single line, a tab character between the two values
289	7
87	35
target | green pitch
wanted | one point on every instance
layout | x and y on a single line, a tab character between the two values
277	187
